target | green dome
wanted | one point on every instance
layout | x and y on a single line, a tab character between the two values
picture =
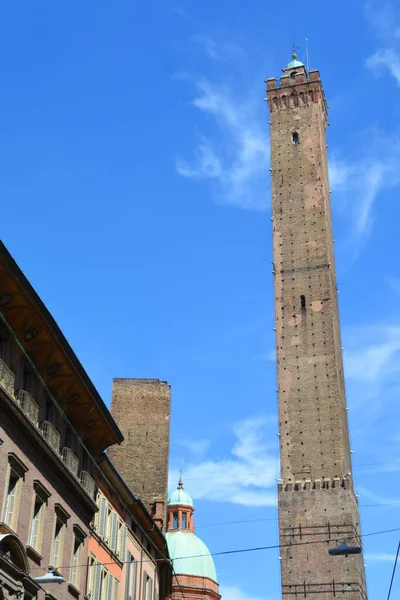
294	63
180	496
183	544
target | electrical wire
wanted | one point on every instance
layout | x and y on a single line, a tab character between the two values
394	571
240	550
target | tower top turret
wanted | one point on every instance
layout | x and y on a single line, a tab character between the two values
294	63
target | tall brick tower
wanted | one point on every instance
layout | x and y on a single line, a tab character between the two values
141	408
315	496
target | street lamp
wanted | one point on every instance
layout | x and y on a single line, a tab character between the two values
49	577
344	550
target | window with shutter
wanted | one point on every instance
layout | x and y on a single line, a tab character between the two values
35	538
56	551
116	589
122	543
109	524
134	583
114	531
145	586
76	562
102	517
128	580
90	577
110	580
97	581
11	508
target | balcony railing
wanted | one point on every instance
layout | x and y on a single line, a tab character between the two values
88	483
71	460
29	406
6	378
52	435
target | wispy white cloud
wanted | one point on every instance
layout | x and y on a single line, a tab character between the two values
230	592
372	353
198	447
236	158
385	59
384	23
217	51
246	476
358	181
379	557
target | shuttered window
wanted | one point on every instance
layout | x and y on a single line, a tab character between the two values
57	546
102	516
12	501
114	531
116	589
134	582
122	542
96	592
35	537
109	594
76	562
128	580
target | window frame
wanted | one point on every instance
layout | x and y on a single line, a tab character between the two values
17	469
61	517
76	565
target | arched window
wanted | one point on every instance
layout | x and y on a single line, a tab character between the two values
284	101
184	520
175	520
276	102
295	138
293	75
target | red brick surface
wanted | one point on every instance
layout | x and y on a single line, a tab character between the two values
141	408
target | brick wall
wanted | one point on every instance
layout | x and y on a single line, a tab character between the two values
141	408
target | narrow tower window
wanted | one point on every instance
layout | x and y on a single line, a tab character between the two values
295	138
184	520
175	520
303	302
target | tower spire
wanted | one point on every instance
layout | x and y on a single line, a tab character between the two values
180	482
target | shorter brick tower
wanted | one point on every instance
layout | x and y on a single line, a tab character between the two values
141	408
194	576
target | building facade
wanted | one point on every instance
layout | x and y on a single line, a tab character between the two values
194	575
63	504
316	498
128	557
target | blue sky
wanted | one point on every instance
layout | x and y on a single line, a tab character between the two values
134	178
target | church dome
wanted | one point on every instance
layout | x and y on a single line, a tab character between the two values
182	544
180	496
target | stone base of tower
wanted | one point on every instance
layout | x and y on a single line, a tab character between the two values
307	534
194	587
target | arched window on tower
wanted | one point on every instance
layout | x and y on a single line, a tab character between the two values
175	520
295	138
184	520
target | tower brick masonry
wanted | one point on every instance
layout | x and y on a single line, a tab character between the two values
316	499
141	408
